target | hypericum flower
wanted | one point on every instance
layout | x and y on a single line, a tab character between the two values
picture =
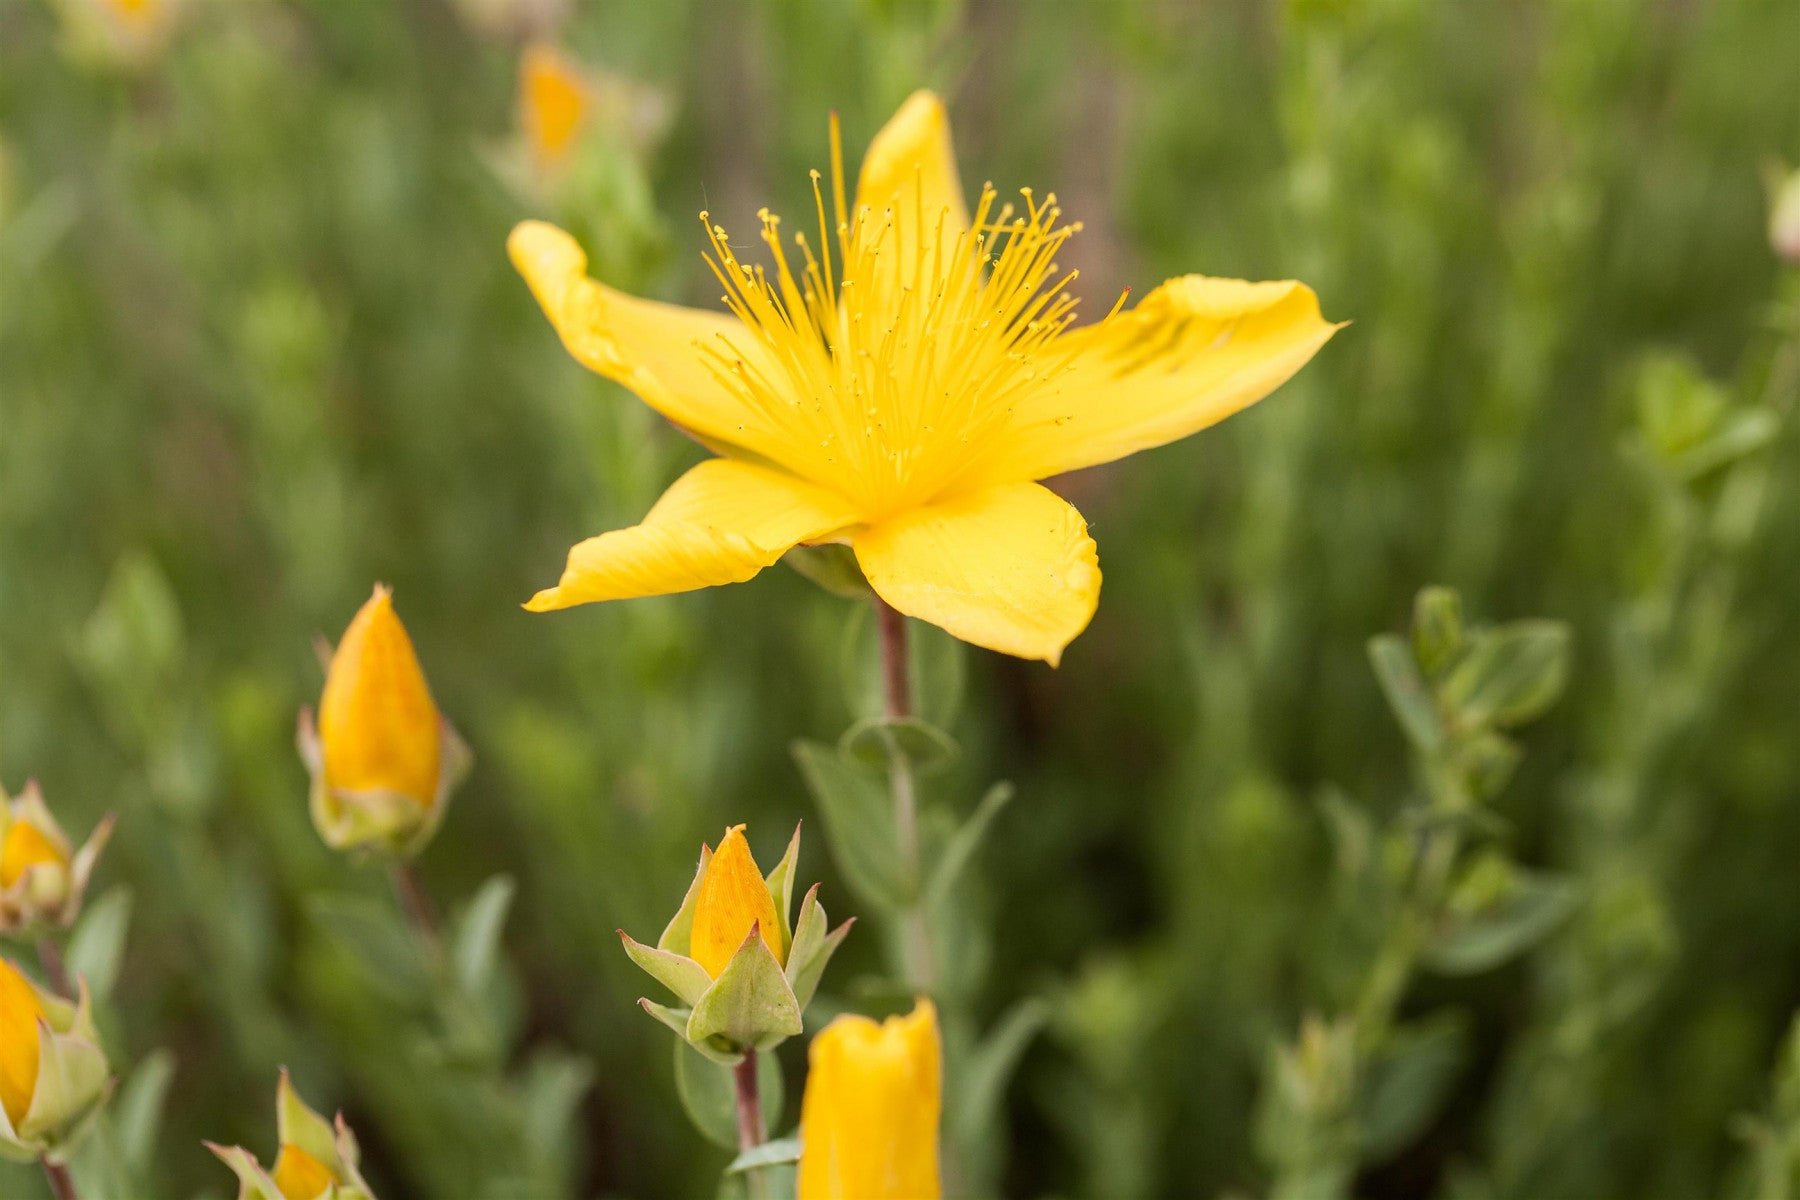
53	1074
742	973
869	1121
315	1160
42	877
900	388
383	759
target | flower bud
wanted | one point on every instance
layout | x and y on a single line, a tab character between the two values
125	33
1784	217
53	1074
42	878
383	760
869	1120
742	973
555	100
316	1160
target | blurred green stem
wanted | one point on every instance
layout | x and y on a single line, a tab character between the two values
1393	967
897	691
415	902
62	1186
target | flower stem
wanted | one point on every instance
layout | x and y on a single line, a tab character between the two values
751	1131
415	901
62	1185
56	972
897	691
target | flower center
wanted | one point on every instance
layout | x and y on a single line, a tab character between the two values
889	381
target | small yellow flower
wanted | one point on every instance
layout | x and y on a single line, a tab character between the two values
383	758
317	1159
900	387
869	1120
554	102
733	900
53	1074
42	877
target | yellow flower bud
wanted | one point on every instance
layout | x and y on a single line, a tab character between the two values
732	899
20	1012
300	1176
383	759
377	721
554	98
869	1121
42	877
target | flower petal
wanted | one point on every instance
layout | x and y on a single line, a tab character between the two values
722	522
1009	567
910	171
1194	352
657	350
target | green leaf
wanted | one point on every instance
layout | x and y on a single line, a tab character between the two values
872	744
389	951
1498	912
1405	1085
708	1092
1407	695
990	1067
859	823
965	843
476	941
833	567
1510	674
99	940
783	1150
137	1112
1437	628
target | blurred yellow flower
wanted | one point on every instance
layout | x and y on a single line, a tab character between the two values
903	392
733	899
52	1072
869	1120
42	876
383	758
554	99
119	31
317	1158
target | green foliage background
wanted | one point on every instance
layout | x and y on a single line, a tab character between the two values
260	346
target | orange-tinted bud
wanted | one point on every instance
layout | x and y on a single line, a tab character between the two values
732	899
26	847
378	724
554	99
299	1175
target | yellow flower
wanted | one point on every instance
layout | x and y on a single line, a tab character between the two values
126	32
42	877
383	759
869	1121
52	1072
317	1158
900	387
554	99
733	899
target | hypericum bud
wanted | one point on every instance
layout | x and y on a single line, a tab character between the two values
1784	217
734	904
742	973
53	1074
122	32
42	877
316	1160
555	99
383	759
869	1121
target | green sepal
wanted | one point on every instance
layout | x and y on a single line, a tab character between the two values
749	1006
812	948
780	883
678	935
680	974
296	1122
832	566
380	821
677	1020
